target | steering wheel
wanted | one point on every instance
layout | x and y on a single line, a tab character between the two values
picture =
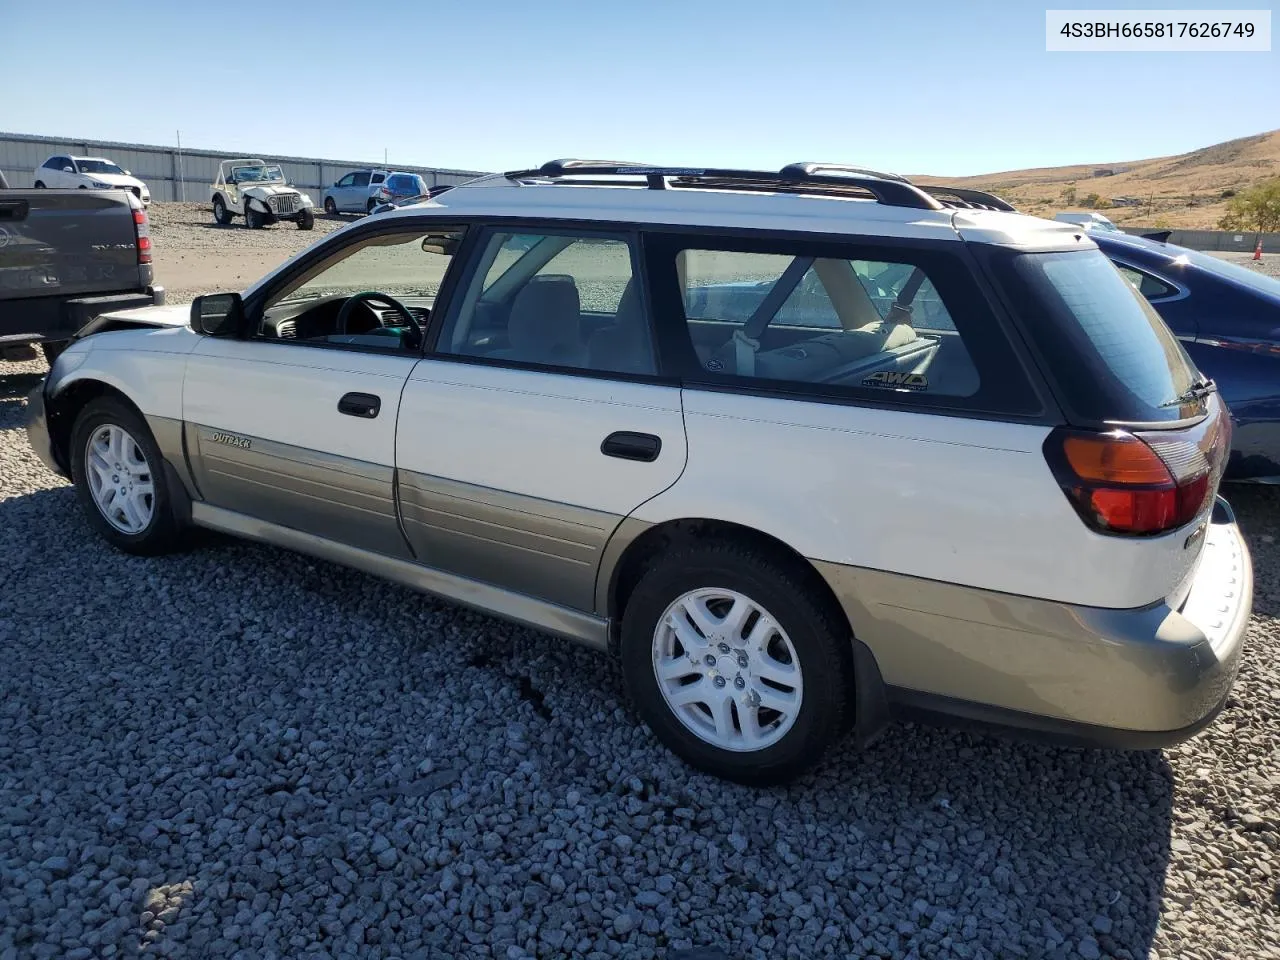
373	295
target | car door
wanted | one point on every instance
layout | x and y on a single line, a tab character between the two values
58	177
341	191
295	423
357	193
539	421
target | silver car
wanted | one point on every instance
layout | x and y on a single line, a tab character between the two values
804	449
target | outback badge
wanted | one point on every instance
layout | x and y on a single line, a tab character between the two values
230	440
894	379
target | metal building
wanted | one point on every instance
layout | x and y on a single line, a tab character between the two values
174	175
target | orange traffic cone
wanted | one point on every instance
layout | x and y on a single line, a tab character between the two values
1257	251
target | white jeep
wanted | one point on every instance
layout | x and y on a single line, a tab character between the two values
257	191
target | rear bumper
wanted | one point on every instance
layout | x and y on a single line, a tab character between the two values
1138	678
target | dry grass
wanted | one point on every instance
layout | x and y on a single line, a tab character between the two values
1180	191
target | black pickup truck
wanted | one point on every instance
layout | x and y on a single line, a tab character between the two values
65	257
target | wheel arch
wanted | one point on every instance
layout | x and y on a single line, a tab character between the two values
635	545
65	405
62	409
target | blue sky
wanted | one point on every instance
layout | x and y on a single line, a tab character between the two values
953	87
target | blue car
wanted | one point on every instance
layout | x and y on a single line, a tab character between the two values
1228	319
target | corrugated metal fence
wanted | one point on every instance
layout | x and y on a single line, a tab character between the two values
169	173
1214	239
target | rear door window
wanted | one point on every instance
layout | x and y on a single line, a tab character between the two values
1111	355
361	180
1153	288
892	324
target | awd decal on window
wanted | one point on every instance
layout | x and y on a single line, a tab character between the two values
231	440
894	379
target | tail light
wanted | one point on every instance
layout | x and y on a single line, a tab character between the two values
1144	483
142	228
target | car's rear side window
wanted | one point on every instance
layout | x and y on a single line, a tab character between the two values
1107	350
876	325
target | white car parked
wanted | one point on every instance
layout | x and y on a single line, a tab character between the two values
259	192
790	506
65	172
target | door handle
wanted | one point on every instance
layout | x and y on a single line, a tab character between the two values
364	405
632	446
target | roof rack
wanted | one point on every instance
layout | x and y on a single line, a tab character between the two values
964	197
811	178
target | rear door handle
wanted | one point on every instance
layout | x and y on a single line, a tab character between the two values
364	405
632	446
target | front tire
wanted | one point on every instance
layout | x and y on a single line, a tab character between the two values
39	185
120	479
330	208
735	662
306	220
252	218
220	211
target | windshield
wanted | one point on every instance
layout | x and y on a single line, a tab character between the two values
269	173
97	166
1246	276
1110	354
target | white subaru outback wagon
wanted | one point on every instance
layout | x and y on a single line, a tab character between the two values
805	450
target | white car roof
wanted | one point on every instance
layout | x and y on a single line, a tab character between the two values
816	213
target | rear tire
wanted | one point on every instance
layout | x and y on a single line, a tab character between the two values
220	211
368	207
805	666
135	464
306	220
330	208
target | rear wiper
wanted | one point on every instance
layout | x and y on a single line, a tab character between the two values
1198	390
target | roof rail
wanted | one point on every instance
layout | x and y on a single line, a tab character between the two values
809	178
967	198
809	168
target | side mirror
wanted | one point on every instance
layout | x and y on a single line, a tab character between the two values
128	173
217	314
68	169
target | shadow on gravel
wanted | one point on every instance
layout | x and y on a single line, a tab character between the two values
16	386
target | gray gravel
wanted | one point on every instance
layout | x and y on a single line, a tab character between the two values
241	752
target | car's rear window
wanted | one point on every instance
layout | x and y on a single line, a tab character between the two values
1109	352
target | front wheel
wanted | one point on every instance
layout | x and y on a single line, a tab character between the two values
330	208
120	479
39	185
306	220
735	663
252	218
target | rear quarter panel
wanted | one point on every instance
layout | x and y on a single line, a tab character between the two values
1238	345
962	501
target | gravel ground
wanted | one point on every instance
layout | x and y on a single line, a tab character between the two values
242	752
195	255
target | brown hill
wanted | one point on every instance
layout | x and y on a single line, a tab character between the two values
1181	191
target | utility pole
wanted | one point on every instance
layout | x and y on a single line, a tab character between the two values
182	178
